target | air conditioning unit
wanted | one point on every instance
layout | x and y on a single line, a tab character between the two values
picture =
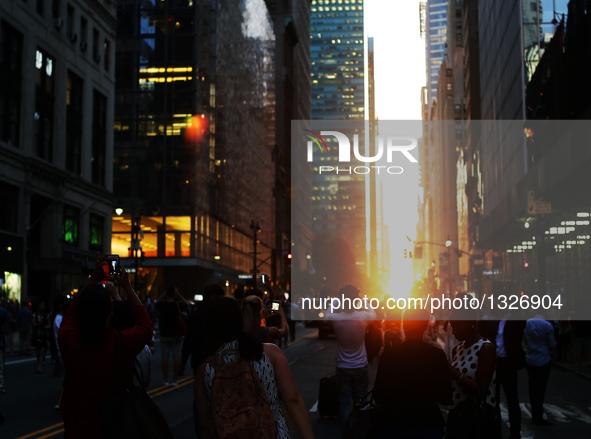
96	58
58	23
83	46
72	36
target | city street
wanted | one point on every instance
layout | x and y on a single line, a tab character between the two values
30	398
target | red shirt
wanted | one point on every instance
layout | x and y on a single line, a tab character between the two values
90	368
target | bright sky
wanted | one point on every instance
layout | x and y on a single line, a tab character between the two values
399	60
399	57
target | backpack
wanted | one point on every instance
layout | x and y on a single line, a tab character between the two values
239	404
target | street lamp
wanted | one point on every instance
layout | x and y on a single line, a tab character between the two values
256	229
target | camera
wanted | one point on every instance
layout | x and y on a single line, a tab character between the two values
114	265
275	305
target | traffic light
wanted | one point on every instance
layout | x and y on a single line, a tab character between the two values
287	259
404	253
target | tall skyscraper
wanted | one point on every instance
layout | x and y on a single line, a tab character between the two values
436	39
337	53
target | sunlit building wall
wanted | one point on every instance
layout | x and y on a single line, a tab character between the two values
194	141
337	55
56	100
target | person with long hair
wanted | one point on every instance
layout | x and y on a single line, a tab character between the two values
224	324
87	342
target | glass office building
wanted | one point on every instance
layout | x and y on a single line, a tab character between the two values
193	141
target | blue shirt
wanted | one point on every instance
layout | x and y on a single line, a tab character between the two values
539	338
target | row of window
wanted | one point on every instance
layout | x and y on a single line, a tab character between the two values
11	83
79	35
72	219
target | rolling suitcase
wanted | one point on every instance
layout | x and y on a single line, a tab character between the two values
328	397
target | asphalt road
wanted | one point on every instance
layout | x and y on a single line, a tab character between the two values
28	405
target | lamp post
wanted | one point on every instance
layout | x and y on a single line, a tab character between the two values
448	244
255	230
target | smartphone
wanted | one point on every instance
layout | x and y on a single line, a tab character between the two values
275	305
114	265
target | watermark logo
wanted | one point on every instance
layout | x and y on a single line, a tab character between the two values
316	139
388	145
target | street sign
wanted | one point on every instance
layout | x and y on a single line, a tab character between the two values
537	207
245	276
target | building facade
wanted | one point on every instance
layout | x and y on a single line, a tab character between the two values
56	114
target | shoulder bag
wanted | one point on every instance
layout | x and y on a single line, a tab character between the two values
362	421
131	413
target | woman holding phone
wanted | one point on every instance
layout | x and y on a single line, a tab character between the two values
87	343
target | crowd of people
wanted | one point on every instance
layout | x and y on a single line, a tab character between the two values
105	345
243	381
463	370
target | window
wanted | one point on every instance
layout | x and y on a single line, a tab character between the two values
44	104
96	235
9	203
448	72
95	46
70	24
106	51
70	225
74	123
83	33
449	86
99	137
11	43
458	13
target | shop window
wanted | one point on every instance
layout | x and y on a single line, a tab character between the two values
70	225
96	233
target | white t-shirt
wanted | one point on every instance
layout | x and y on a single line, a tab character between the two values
350	331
